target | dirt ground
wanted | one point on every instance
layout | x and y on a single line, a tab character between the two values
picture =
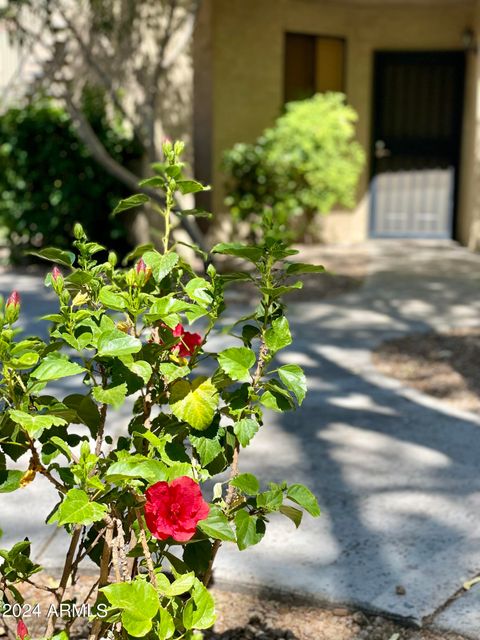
443	365
243	617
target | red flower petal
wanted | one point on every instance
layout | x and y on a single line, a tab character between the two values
174	509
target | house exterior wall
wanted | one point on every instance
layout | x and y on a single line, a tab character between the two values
246	67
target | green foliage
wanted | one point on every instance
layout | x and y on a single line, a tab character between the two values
118	333
307	163
48	179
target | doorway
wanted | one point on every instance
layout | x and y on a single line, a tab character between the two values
417	127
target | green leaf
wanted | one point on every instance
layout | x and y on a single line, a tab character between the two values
248	252
171	372
294	379
270	500
294	514
137	466
114	395
10	480
305	498
111	299
199	290
250	529
55	366
167	309
131	202
142	369
196	555
245	429
61	445
161	265
301	267
199	611
276	399
137	252
247	483
138	602
66	258
76	508
217	525
166	627
191	186
194	403
25	361
35	425
136	626
155	182
236	362
207	448
181	585
198	212
114	342
278	336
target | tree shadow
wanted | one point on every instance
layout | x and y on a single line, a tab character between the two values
395	474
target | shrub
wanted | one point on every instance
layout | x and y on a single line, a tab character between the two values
134	504
48	179
307	163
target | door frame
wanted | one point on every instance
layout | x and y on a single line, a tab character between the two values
378	54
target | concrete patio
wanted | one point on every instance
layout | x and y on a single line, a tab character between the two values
396	472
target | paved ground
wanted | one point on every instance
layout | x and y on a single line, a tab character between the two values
396	472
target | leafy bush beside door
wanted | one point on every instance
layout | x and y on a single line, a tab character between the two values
307	163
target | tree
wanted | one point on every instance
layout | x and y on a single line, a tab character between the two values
135	51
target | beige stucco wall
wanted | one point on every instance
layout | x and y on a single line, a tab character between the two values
247	69
469	220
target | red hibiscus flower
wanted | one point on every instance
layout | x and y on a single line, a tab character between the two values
22	630
188	341
174	508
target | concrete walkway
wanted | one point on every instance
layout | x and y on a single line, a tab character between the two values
396	473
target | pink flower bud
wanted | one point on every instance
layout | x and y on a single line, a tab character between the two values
22	630
142	273
56	273
141	266
12	307
13	299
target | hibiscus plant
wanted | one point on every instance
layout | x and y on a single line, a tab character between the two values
141	504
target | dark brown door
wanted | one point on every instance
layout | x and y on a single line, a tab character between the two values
417	122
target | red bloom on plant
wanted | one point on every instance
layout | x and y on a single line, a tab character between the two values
188	341
56	273
174	508
22	630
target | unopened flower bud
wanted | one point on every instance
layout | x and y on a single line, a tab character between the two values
112	258
78	231
142	273
131	277
178	147
167	148
22	631
141	266
57	280
12	307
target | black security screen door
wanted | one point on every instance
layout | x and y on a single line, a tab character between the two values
417	119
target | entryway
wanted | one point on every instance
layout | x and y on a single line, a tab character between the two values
417	124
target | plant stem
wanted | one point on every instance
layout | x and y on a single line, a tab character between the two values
67	569
104	573
146	550
262	355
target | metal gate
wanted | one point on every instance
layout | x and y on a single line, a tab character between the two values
417	122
